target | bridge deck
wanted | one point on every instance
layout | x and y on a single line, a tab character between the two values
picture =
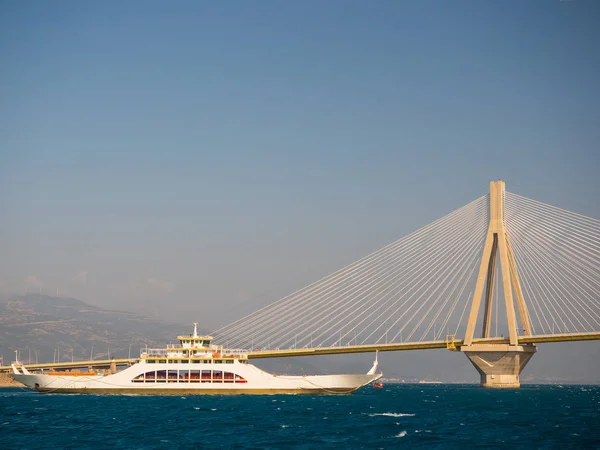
427	345
403	346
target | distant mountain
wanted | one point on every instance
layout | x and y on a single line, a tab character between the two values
49	328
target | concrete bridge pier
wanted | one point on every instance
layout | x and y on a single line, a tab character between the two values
499	365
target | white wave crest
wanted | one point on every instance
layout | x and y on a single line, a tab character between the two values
401	434
389	414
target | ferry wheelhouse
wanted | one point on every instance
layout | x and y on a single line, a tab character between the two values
193	366
204	362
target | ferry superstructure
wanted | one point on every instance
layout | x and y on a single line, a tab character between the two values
192	367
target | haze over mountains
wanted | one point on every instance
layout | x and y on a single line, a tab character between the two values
41	324
48	328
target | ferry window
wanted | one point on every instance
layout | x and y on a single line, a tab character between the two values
162	361
205	342
139	379
228	377
194	376
148	377
172	375
185	361
161	376
229	361
206	376
217	376
218	361
196	361
184	376
150	361
239	379
206	361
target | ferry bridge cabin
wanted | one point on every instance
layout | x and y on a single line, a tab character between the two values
193	350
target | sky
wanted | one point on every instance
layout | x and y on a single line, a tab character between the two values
195	160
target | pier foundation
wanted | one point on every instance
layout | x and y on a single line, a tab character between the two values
499	365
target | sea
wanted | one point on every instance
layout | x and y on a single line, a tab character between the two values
421	416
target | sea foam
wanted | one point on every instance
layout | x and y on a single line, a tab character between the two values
389	414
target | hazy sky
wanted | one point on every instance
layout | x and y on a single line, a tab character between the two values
196	159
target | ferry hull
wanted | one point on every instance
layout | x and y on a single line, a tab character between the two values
186	392
313	385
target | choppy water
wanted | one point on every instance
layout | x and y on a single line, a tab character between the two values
410	416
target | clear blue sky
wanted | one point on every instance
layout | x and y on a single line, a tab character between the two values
185	158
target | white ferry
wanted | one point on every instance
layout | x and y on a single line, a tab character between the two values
192	367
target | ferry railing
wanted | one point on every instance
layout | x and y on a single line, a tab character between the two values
223	353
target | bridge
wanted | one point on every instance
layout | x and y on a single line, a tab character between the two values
535	267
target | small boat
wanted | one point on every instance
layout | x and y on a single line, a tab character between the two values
192	367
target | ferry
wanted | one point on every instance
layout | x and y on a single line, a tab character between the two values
194	366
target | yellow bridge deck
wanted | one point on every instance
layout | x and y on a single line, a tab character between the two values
426	345
402	346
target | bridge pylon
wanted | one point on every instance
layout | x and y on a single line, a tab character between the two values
498	364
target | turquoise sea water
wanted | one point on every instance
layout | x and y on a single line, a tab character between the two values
398	416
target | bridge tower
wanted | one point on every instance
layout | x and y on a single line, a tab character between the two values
498	364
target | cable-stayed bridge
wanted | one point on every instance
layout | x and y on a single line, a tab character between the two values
491	279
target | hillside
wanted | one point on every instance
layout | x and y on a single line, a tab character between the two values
50	328
40	325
